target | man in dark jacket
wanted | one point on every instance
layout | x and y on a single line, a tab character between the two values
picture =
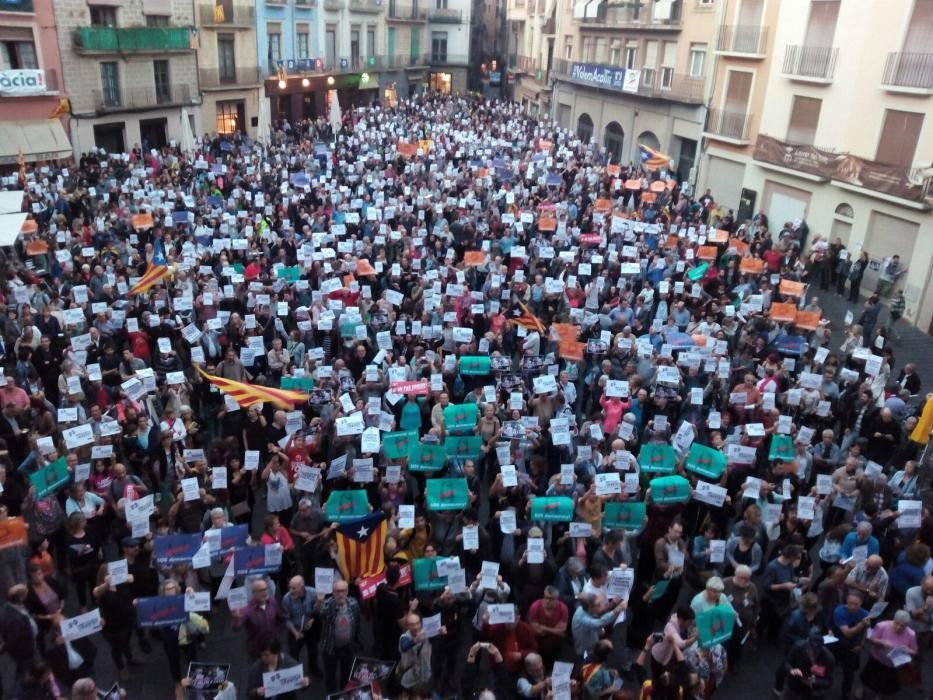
18	631
810	668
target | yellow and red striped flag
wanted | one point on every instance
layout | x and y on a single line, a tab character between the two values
154	274
361	546
529	320
248	394
652	159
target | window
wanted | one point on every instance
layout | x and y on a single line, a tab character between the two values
585	127
440	4
230	116
697	60
330	44
301	42
804	118
438	46
226	58
110	83
355	45
18	54
157	20
162	85
371	41
568	48
600	50
899	136
103	16
631	55
651	54
667	78
615	54
738	89
821	26
275	43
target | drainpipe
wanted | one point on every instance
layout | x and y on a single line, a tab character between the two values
708	93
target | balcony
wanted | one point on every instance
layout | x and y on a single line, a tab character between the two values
140	98
334	5
367	6
131	39
888	182
810	64
445	59
662	85
446	15
215	79
533	67
619	17
729	127
337	66
742	41
219	17
909	73
399	12
28	82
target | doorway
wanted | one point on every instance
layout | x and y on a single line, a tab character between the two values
110	137
152	133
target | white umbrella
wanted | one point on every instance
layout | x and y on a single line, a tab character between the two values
264	126
187	137
335	117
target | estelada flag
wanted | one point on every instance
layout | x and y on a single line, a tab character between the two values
248	394
155	273
361	545
528	320
652	159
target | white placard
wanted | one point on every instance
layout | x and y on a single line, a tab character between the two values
282	681
119	571
81	625
501	614
196	601
190	489
324	581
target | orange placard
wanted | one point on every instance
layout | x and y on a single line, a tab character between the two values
544	145
783	313
473	258
808	320
740	247
29	226
648	197
348	280
612	170
707	252
657	186
12	532
671	184
717	235
407	150
603	205
793	289
672	242
364	268
565	331
482	172
633	184
699	341
426	145
141	221
572	350
37	248
547	220
752	266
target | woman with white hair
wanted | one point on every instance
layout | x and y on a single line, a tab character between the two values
893	644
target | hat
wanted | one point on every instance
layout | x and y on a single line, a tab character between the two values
535	532
130	542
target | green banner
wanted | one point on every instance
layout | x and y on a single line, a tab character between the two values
460	418
670	489
705	461
782	448
348	329
346	505
289	274
50	478
398	444
426	458
552	509
660	588
474	365
298	383
426	576
715	625
464	446
626	515
447	494
696	274
657	459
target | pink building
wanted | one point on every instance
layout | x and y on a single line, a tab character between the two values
31	87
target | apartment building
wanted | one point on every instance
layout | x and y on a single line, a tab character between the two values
488	46
531	38
621	73
130	67
30	84
839	135
231	79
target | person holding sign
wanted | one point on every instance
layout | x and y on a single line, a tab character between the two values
271	659
180	642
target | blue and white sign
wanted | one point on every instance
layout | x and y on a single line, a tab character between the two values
623	79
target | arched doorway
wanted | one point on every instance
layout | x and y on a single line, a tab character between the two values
585	127
647	138
613	140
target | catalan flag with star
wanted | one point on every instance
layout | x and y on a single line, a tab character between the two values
652	159
157	271
248	394
361	546
528	320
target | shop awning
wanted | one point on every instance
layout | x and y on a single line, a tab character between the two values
11	225
39	140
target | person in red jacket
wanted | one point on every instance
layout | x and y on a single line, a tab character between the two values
514	640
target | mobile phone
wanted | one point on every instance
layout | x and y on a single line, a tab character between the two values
657	637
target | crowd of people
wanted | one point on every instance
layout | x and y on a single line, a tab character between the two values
438	401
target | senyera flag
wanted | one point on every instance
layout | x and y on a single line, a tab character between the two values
248	394
652	159
361	545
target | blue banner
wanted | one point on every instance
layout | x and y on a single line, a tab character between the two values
600	76
175	549
251	560
231	538
161	611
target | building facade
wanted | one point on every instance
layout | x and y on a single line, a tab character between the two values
131	70
531	39
840	133
30	84
230	76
